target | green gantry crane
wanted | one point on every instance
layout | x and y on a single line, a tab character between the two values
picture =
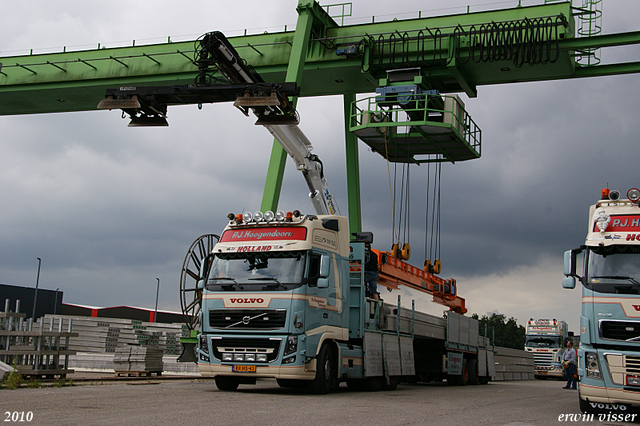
417	65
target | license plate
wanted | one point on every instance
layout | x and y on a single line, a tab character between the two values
542	372
244	368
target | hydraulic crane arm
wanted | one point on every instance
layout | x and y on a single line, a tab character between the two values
299	148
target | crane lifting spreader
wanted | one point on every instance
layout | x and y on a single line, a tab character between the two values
270	104
395	272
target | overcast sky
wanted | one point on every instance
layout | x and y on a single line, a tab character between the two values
109	209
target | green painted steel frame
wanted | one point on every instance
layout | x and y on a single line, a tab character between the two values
76	81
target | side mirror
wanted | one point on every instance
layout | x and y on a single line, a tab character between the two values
323	282
325	266
569	267
200	284
569	282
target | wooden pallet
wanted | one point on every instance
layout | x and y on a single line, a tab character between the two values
137	373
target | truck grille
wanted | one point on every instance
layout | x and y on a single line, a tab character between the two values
542	358
246	346
633	365
248	319
619	330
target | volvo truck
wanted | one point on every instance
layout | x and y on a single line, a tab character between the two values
609	353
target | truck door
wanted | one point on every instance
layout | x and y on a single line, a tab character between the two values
323	293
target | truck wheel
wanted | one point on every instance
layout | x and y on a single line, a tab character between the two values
393	383
473	372
225	383
463	380
325	372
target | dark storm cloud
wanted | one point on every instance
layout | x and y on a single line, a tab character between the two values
109	208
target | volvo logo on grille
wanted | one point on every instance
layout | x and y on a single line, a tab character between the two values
245	320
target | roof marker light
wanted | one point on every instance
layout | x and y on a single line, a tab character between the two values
614	195
633	194
289	217
238	218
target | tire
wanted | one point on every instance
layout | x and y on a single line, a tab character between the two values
325	372
463	380
226	383
392	385
473	372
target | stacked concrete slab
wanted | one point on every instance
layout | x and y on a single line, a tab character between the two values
105	335
129	358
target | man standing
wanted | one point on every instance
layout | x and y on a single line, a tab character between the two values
371	273
569	362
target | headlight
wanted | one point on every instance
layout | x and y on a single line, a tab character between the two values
258	216
250	357
633	194
593	366
227	357
247	217
268	216
280	215
238	357
261	357
633	380
289	360
292	345
204	347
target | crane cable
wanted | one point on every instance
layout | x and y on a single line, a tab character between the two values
398	249
432	237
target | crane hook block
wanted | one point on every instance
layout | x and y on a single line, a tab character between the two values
395	251
406	251
437	266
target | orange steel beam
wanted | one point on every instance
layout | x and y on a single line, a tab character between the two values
395	272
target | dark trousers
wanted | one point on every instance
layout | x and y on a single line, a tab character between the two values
571	380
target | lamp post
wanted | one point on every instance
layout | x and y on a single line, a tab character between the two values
155	315
35	295
55	302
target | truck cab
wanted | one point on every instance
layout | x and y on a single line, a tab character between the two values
609	353
545	338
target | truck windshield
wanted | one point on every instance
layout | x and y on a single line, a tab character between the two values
543	341
271	271
614	269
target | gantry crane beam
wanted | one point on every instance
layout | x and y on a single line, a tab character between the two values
338	60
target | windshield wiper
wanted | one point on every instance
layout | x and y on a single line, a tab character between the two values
618	277
227	279
278	283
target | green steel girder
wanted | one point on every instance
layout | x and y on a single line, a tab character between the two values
73	81
78	80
